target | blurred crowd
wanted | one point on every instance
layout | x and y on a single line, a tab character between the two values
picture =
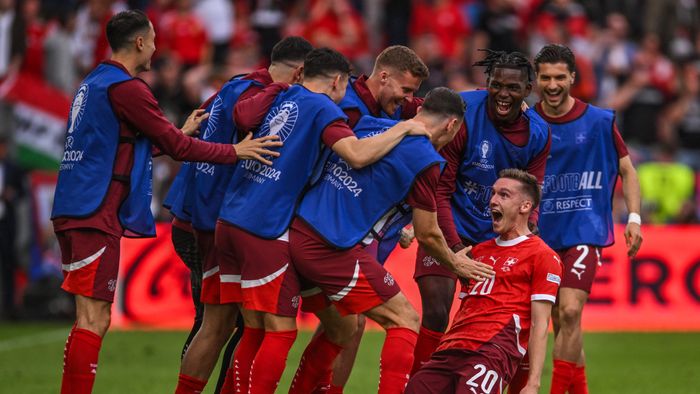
638	57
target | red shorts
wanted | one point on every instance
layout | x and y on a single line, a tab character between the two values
580	265
268	281
427	265
90	262
487	370
352	279
211	284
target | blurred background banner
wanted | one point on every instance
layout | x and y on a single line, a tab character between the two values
657	291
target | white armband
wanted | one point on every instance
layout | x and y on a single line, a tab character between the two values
634	218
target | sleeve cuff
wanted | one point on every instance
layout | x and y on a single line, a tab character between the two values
543	297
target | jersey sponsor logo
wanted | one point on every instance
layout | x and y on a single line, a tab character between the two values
280	120
554	278
78	108
214	115
485	153
573	181
569	204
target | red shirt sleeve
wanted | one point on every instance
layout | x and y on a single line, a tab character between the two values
248	114
353	115
619	143
447	185
335	132
422	196
546	276
536	167
134	104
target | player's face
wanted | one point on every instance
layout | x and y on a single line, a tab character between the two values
396	87
507	89
147	46
554	82
507	203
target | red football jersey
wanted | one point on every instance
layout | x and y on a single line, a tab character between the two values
497	311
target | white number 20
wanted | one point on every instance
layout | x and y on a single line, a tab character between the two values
488	380
486	287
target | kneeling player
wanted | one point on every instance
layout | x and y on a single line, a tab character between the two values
343	211
491	331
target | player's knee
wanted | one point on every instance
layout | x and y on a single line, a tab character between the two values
569	316
342	331
436	317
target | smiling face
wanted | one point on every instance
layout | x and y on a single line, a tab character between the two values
554	82
510	206
507	88
395	88
146	45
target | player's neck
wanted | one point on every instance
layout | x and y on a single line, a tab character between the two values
126	60
373	85
558	112
318	86
514	232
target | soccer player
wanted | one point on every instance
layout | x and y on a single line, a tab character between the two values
588	153
104	182
496	135
387	93
502	317
343	212
261	199
205	193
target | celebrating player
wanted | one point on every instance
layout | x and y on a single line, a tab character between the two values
328	249
497	135
502	317
576	211
205	194
260	202
104	182
386	93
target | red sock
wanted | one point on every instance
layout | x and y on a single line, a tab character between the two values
519	380
270	361
244	355
396	360
428	341
189	385
316	362
228	387
66	347
327	388
562	375
80	361
578	383
324	382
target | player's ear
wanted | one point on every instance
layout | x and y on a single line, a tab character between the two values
573	77
298	74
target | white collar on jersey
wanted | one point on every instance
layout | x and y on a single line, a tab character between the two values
512	242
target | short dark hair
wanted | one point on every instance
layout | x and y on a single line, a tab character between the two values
402	59
324	62
293	49
503	59
444	101
555	53
528	182
122	28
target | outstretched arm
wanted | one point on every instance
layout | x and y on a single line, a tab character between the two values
630	188
537	346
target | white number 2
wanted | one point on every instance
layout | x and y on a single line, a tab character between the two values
579	261
490	377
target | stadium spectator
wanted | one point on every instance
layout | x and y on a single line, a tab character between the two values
679	126
185	35
12	42
449	28
89	39
218	18
60	69
35	33
502	317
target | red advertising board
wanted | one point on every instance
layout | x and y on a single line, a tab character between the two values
659	290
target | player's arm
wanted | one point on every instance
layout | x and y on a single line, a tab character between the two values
537	345
630	188
359	153
430	237
249	113
446	187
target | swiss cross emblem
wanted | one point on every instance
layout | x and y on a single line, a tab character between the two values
510	262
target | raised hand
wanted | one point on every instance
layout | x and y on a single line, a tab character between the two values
257	149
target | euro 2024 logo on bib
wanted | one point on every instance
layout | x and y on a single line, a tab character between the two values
78	108
281	120
213	119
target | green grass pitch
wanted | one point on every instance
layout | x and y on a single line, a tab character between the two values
148	361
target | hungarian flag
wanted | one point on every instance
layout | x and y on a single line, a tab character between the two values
40	116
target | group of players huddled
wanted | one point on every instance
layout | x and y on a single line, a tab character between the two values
298	182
